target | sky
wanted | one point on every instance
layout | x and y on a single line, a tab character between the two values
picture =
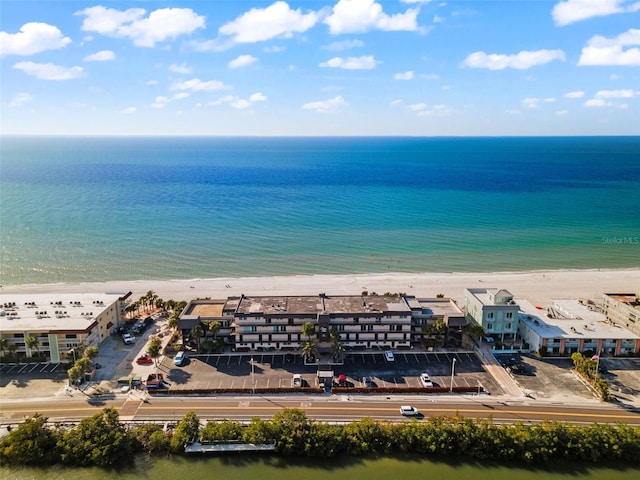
320	68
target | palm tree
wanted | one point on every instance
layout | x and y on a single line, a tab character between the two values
198	332
4	343
337	346
308	329
310	350
31	342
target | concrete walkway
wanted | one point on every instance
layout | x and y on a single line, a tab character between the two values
500	375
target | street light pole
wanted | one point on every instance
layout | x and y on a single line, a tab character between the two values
453	369
253	384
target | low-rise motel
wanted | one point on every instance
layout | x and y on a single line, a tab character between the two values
59	323
364	322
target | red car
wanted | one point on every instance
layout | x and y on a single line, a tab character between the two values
144	360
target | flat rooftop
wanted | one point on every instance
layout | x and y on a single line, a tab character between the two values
313	305
205	308
484	295
48	313
585	324
630	299
436	306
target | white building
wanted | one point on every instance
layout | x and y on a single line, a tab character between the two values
573	327
59	322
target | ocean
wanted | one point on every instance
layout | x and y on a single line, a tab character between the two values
77	209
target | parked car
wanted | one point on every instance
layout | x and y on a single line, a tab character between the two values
366	382
179	358
144	360
128	339
409	411
388	355
425	379
296	381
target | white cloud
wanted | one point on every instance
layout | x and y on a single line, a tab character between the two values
161	25
242	61
351	63
326	106
577	94
240	103
260	24
344	45
33	38
595	102
571	11
273	49
404	76
359	16
129	110
520	61
101	56
20	99
561	113
535	102
152	82
423	110
416	107
606	51
49	71
180	95
197	85
182	69
429	76
396	102
437	19
615	94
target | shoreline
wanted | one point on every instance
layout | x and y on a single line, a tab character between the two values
536	286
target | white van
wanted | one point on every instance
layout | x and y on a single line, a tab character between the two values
179	358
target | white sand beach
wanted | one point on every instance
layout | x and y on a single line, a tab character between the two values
538	287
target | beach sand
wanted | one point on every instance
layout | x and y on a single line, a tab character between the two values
538	287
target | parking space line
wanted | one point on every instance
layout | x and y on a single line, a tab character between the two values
44	367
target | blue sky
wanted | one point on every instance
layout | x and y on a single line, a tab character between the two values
335	67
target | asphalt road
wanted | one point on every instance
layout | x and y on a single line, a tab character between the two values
335	408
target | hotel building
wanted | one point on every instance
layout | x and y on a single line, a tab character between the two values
59	322
569	326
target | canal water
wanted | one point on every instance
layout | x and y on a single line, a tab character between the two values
278	468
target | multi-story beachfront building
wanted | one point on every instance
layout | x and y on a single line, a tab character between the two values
255	323
623	309
494	309
364	322
569	326
58	322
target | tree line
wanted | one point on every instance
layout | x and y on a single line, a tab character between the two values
103	441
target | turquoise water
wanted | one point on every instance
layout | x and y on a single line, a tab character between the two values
109	208
268	468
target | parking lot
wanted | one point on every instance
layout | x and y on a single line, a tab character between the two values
554	379
276	370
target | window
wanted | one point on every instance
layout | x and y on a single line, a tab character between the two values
490	315
507	326
490	326
509	314
18	335
70	335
